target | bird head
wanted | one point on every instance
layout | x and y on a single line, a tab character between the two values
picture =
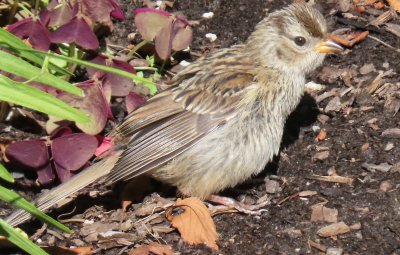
292	40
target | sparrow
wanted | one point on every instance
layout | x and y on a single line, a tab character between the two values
221	120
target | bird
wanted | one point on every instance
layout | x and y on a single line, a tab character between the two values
220	120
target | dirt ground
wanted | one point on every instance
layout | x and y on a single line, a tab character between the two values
360	146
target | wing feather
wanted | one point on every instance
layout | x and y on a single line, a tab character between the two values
198	102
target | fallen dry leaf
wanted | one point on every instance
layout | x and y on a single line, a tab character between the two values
153	248
320	156
335	178
334	229
355	37
321	135
69	251
391	133
383	167
324	214
395	4
393	28
307	193
195	223
317	246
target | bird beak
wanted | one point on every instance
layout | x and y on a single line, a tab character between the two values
328	46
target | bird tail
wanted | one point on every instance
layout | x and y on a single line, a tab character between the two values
65	190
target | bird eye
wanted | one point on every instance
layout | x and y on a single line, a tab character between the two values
299	40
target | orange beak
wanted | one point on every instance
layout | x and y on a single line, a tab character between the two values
328	46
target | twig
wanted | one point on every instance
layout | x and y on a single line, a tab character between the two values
383	43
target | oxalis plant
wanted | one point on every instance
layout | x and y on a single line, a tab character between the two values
36	73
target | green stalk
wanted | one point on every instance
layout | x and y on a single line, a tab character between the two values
136	48
13	11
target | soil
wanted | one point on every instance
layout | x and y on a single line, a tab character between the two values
355	146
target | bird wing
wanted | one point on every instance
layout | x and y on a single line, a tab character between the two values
198	102
170	123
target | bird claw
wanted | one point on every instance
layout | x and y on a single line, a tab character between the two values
228	204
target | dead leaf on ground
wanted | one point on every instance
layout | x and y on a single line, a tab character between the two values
383	167
153	248
350	39
323	214
395	4
334	229
320	156
307	193
393	28
195	223
334	105
391	133
69	251
321	135
383	18
334	178
317	246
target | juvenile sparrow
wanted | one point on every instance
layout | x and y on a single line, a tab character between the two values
222	119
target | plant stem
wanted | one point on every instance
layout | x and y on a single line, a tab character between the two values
145	69
36	10
71	54
13	11
3	110
135	49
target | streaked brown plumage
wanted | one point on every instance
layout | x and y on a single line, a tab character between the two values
222	119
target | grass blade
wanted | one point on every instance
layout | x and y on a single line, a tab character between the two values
5	175
17	238
13	43
15	65
15	199
28	96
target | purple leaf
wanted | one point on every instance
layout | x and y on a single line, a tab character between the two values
21	28
120	86
77	31
28	154
61	131
164	41
37	34
94	104
117	12
105	144
133	101
98	11
100	59
60	14
39	37
170	32
63	174
183	36
73	151
45	174
149	22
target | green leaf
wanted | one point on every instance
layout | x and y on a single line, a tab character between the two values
28	96
5	175
15	199
145	81
15	65
17	238
13	43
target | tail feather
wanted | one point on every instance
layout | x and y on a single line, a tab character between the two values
64	190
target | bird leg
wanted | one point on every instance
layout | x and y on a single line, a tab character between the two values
228	204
